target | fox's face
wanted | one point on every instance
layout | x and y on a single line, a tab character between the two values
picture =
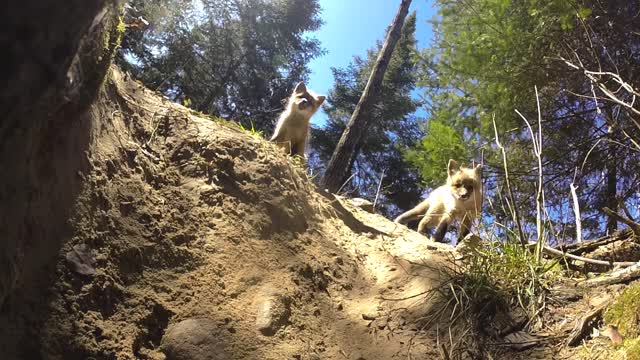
303	101
464	181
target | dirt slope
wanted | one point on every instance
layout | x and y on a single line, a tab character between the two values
185	218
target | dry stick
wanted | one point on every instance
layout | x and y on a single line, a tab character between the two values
553	251
591	245
537	150
516	215
576	212
630	138
616	77
155	128
576	207
375	201
620	276
345	183
591	75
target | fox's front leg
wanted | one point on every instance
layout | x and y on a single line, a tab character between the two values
299	147
441	229
425	223
432	217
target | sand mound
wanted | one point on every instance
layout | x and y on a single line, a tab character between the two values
191	234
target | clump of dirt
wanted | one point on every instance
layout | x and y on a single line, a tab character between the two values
184	219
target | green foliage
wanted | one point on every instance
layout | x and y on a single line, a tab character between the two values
392	126
492	52
122	27
431	154
113	37
515	272
625	312
235	59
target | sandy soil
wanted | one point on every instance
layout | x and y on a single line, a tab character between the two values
185	218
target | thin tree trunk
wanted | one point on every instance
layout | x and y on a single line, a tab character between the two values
612	179
340	164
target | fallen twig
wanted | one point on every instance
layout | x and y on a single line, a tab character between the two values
155	128
537	151
587	246
615	277
553	251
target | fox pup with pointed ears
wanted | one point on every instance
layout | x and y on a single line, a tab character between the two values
292	128
459	199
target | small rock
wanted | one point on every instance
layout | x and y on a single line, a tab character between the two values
193	339
81	259
363	204
613	334
369	317
272	312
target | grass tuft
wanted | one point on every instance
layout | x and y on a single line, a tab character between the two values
252	130
493	281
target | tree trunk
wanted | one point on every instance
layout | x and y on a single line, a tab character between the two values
339	166
55	57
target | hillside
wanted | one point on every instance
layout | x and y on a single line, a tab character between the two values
184	218
190	238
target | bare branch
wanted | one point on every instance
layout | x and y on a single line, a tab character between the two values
537	150
375	201
632	224
620	276
514	209
552	251
594	77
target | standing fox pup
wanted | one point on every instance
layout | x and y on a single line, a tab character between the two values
293	125
459	199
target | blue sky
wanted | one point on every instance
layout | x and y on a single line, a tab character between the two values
353	26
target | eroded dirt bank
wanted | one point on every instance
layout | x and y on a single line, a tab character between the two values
185	218
192	239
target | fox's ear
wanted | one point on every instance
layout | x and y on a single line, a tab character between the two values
320	100
301	88
478	169
453	167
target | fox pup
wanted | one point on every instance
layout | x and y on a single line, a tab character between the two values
292	128
459	199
